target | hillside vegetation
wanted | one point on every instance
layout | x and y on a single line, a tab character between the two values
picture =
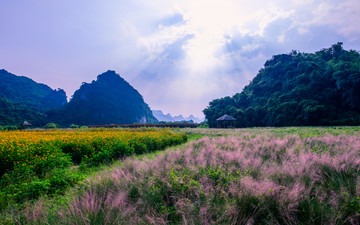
23	90
16	114
298	89
24	99
108	100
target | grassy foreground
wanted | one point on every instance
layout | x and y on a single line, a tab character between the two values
244	176
41	163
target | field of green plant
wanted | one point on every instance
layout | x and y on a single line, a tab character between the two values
289	175
39	163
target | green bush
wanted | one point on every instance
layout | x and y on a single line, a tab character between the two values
121	149
77	150
60	179
51	126
203	125
32	190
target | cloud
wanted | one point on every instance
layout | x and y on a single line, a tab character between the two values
172	20
164	63
179	54
342	15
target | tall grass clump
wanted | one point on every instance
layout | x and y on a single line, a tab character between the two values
242	179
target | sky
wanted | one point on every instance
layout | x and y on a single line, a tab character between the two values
179	54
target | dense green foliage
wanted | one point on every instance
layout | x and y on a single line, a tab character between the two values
298	89
16	114
37	163
108	100
51	126
23	90
23	99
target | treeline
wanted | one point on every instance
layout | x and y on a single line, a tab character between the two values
16	114
298	89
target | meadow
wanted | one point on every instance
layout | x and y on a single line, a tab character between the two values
289	175
46	162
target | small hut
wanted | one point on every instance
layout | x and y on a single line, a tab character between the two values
26	124
226	121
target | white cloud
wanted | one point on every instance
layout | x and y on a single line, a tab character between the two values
344	16
302	30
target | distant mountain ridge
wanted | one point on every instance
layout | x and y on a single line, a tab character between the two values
108	100
169	118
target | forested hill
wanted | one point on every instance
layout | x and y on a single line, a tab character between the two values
24	91
24	99
298	89
16	114
108	100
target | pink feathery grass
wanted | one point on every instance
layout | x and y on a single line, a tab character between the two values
204	180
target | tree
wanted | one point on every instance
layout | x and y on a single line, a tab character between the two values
296	89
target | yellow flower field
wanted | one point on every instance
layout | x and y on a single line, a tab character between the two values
28	157
28	147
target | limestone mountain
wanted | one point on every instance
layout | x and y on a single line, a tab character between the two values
108	100
159	115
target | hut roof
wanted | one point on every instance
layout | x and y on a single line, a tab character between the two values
225	117
26	123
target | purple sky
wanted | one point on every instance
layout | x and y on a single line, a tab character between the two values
179	54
